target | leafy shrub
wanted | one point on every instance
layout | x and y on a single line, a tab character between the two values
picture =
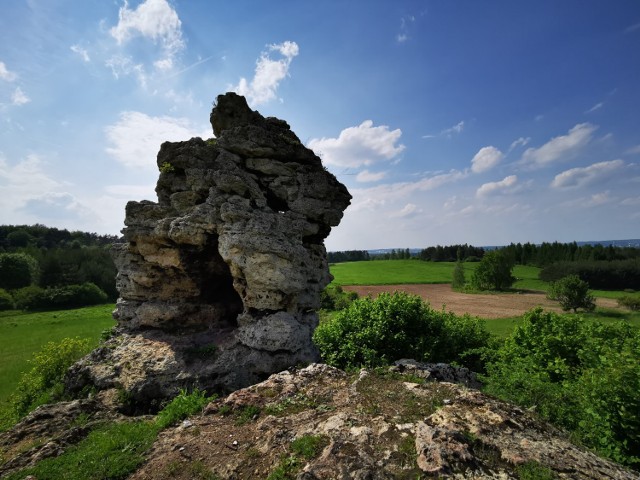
182	406
494	271
44	382
60	298
632	302
579	375
17	270
458	280
375	332
572	293
6	300
333	297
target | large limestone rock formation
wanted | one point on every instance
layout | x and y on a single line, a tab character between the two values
220	279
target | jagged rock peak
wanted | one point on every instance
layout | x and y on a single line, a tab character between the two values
220	278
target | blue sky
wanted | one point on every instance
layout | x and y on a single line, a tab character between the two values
449	121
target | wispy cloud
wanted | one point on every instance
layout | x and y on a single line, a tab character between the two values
503	186
82	52
597	106
486	159
136	137
359	146
559	148
581	176
409	210
449	132
18	97
366	176
268	74
405	25
5	74
632	28
521	142
633	150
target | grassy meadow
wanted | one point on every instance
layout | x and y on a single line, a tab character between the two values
22	334
403	272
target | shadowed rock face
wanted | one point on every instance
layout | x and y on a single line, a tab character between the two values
220	279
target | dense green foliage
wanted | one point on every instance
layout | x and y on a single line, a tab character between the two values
333	297
17	270
494	271
548	253
348	256
580	375
44	382
182	406
603	275
458	279
56	258
6	300
451	253
59	298
572	293
374	332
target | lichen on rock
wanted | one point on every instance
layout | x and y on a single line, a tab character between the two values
230	260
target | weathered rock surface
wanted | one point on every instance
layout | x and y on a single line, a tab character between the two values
370	426
220	279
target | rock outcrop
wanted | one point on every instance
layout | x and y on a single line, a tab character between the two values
220	279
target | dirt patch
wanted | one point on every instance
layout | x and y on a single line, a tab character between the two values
496	305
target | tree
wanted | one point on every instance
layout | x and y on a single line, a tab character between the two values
459	279
17	270
572	293
494	271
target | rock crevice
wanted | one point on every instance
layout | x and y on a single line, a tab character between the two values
229	260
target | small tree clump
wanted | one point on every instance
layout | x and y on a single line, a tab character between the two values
494	271
458	282
572	293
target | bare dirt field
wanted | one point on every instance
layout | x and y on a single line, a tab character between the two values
498	305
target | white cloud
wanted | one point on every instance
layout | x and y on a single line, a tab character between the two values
486	159
5	74
405	23
153	19
164	64
503	186
358	146
409	210
123	66
374	197
268	74
599	199
19	97
597	106
367	176
521	142
136	137
56	206
457	128
631	201
401	37
559	148
82	52
581	176
633	150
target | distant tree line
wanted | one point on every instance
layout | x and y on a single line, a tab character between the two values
548	253
41	265
348	256
451	253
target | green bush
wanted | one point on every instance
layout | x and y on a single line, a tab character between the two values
458	280
6	300
582	376
182	406
375	332
572	293
333	297
632	302
44	382
17	270
60	298
494	271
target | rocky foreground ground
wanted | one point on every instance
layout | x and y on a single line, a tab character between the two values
322	423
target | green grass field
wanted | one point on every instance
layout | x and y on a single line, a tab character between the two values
392	272
23	334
